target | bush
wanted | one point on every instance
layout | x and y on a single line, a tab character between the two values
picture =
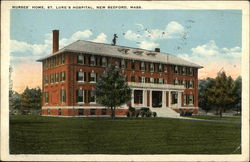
148	114
145	109
142	114
128	114
137	113
132	109
154	114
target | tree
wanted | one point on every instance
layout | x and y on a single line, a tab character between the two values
237	93
204	93
221	93
31	99
112	89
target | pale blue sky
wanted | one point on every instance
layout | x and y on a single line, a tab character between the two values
211	38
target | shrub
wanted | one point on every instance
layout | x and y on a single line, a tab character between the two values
148	114
128	114
154	114
142	114
132	109
137	113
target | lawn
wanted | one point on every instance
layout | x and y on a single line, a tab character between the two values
236	118
54	135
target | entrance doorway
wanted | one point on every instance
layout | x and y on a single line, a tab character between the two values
156	99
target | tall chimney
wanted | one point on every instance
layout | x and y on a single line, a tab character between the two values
157	50
55	41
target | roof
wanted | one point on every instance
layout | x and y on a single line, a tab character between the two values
93	48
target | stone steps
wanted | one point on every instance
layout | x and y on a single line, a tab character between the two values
165	112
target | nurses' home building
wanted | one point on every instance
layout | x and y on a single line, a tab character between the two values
163	82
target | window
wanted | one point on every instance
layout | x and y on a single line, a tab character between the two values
48	111
92	111
104	61
80	96
63	59
57	77
92	61
190	99
151	80
52	78
63	76
183	70
92	77
138	96
156	80
80	111
160	68
191	84
80	76
160	80
133	64
132	78
104	111
92	96
46	97
63	95
147	80
184	99
59	111
191	72
176	69
46	64
142	66
184	83
174	97
142	79
123	64
176	82
151	67
46	81
80	59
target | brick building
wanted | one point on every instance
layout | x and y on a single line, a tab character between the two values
158	80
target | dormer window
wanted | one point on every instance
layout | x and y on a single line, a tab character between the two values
92	61
80	59
142	66
151	67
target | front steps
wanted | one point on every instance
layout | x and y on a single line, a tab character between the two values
166	112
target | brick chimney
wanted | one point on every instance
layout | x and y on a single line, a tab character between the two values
55	42
157	50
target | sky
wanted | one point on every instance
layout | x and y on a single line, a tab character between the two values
210	38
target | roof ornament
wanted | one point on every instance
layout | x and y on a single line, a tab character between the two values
114	40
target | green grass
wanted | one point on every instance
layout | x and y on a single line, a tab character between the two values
238	118
48	135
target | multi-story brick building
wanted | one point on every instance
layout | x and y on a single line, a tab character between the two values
158	80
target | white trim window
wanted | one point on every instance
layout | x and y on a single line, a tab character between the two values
184	71
92	61
92	77
57	77
184	83
152	69
191	72
80	76
142	66
142	79
104	61
80	59
92	97
191	84
160	80
46	81
80	95
191	99
63	76
160	68
46	97
123	65
151	80
63	95
184	99
175	81
176	69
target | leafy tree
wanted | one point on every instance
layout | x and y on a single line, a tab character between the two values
204	93
112	90
31	99
221	93
237	93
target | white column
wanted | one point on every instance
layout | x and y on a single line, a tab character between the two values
132	98
150	98
144	98
163	99
179	99
169	98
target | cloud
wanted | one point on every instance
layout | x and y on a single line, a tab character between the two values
214	58
139	26
101	38
148	45
130	35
